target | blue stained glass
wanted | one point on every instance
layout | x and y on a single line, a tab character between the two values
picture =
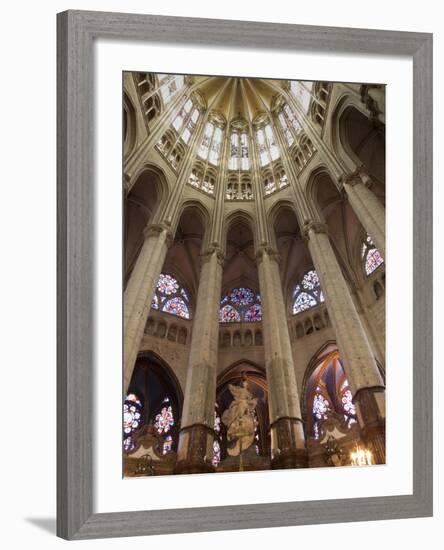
164	420
167	444
229	315
177	306
132	419
254	313
302	302
371	256
242	296
171	297
240	304
310	280
307	293
128	444
167	284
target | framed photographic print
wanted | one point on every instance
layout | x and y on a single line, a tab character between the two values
231	353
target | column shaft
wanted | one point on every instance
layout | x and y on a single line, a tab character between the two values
287	433
139	293
359	363
143	280
368	209
195	449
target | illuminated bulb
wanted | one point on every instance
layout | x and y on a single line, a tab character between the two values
361	457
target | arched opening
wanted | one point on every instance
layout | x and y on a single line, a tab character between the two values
154	401
364	141
343	225
240	300
327	394
141	205
293	251
182	261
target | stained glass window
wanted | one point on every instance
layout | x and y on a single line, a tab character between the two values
177	306
167	284
241	296
184	122
302	91
266	145
217	440
307	293
216	422
290	124
170	84
171	297
228	314
240	304
347	403
371	256
329	394
239	153
211	144
321	407
253	313
132	419
167	444
216	453
164	420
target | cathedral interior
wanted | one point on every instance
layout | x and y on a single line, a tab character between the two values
254	274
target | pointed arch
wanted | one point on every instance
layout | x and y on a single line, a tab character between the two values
197	207
154	400
340	147
312	187
142	206
238	216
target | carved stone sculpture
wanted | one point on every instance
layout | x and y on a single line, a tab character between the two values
239	419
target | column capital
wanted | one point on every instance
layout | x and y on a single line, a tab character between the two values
213	249
360	175
315	227
155	229
267	250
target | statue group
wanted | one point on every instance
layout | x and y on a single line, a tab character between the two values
239	419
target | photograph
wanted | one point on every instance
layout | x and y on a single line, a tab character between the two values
253	274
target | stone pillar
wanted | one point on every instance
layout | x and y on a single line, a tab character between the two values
287	431
140	290
367	207
195	450
359	363
143	280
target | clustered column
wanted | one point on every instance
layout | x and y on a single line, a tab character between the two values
140	290
359	363
287	432
143	280
195	450
367	207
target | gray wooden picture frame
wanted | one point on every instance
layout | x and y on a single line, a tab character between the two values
76	32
